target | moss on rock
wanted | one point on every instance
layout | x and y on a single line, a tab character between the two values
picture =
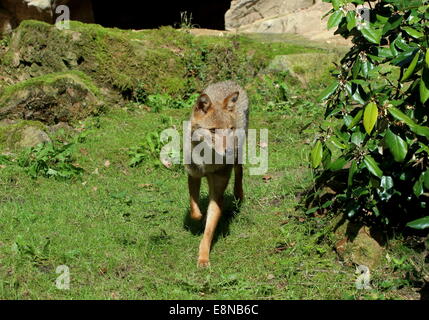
164	61
51	98
13	132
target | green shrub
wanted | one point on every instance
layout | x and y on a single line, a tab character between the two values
375	150
49	160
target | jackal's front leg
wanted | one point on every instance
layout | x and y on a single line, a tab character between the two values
217	186
194	185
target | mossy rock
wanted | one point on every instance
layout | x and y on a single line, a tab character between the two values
307	68
162	61
51	98
358	244
19	134
113	58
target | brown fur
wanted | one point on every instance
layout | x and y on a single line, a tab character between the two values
222	105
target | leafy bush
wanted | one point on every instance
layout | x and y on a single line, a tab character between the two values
375	149
159	102
148	150
49	160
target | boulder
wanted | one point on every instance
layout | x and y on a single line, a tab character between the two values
359	244
64	96
18	134
31	137
244	12
29	9
43	10
276	16
7	22
307	68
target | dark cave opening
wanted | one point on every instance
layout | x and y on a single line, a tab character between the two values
140	15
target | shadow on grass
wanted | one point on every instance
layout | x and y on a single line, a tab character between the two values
230	209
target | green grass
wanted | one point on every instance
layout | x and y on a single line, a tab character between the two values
124	232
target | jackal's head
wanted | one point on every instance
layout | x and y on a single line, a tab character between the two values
217	119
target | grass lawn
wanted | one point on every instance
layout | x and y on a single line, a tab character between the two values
124	232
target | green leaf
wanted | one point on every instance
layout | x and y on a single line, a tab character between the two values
386	191
337	164
356	68
420	224
422	148
372	166
404	58
335	19
417	129
386	182
316	154
418	187
329	91
397	146
355	120
312	210
420	130
401	116
326	158
413	32
351	20
392	23
370	117
357	138
410	70
352	171
336	4
385	52
424	84
372	35
337	143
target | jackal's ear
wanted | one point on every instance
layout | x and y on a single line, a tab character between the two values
230	101
203	103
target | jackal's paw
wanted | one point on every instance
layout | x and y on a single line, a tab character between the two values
203	263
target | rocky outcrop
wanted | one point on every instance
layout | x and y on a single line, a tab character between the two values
12	12
303	17
18	134
58	97
358	244
245	12
7	22
31	137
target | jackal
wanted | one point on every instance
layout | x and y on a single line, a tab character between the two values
221	111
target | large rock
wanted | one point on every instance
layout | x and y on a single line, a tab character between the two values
45	10
359	244
7	22
244	12
276	16
53	98
19	134
29	9
307	68
31	137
